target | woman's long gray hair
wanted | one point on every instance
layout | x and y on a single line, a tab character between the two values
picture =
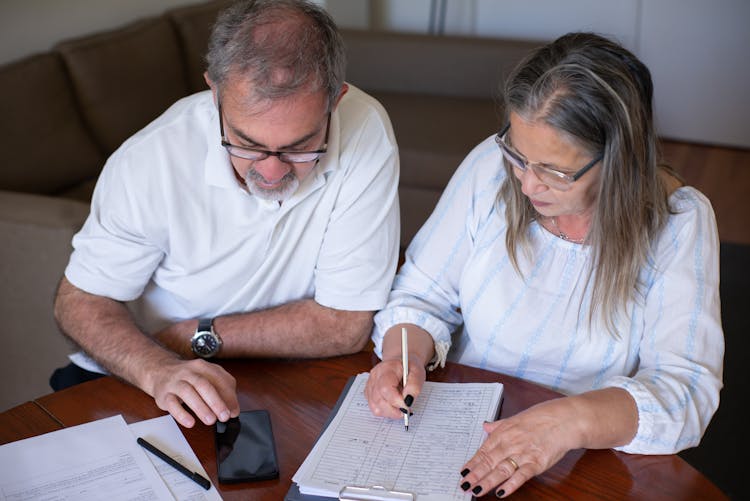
598	94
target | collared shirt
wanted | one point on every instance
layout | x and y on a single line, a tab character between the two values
172	229
459	285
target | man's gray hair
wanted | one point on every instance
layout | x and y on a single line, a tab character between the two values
281	46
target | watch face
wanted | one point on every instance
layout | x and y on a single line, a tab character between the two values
206	345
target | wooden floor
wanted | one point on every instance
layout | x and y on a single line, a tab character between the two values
723	175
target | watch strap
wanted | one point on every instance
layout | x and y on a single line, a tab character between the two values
205	325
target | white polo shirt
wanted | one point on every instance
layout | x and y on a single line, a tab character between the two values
171	229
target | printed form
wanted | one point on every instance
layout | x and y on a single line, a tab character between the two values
101	460
359	449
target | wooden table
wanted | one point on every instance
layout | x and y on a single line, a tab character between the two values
300	394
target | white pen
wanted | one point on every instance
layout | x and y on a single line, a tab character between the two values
405	363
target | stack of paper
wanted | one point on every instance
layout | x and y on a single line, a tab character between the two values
101	460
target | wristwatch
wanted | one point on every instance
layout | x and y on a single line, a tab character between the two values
205	343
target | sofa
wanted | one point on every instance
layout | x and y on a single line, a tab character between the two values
68	109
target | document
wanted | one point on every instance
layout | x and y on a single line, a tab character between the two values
164	433
359	449
93	461
101	460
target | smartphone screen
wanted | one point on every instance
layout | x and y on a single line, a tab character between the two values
245	449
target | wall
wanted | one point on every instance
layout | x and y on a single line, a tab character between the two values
31	26
696	49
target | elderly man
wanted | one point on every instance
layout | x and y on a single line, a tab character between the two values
256	219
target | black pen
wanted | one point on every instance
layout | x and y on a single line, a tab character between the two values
195	477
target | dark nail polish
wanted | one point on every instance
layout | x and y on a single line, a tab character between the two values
411	413
465	472
403	411
499	493
477	489
465	486
409	400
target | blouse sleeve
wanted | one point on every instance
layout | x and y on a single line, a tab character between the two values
676	386
425	291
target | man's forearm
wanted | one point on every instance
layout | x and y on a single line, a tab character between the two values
299	329
105	330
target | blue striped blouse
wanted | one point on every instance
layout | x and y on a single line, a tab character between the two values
459	285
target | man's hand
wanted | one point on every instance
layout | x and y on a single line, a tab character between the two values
206	388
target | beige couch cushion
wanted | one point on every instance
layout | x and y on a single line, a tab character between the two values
125	78
40	229
44	144
434	133
440	92
437	65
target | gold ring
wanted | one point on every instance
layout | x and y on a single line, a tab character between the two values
512	462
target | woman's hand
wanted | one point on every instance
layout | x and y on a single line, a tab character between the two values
383	390
517	449
529	443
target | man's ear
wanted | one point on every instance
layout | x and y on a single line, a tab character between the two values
344	89
213	87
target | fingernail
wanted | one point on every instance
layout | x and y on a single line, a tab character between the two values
465	486
411	413
224	416
477	489
465	472
499	493
403	411
408	400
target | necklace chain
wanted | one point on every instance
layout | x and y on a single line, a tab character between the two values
562	234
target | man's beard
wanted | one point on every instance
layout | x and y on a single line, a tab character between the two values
289	185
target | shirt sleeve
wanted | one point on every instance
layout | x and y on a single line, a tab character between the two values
426	289
114	254
359	253
676	387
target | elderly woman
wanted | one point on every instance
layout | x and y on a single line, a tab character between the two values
561	252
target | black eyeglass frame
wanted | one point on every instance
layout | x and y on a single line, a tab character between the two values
522	163
257	154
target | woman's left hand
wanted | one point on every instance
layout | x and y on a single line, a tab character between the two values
521	447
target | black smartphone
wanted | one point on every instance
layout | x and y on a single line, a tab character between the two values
245	448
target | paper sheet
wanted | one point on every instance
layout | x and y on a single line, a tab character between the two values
164	433
359	449
101	460
93	461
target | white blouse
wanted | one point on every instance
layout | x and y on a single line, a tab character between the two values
459	285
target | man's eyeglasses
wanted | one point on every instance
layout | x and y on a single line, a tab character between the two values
551	177
255	154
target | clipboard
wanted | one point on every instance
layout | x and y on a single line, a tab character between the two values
365	493
374	493
349	493
352	493
293	494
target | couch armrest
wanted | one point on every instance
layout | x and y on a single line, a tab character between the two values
37	232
